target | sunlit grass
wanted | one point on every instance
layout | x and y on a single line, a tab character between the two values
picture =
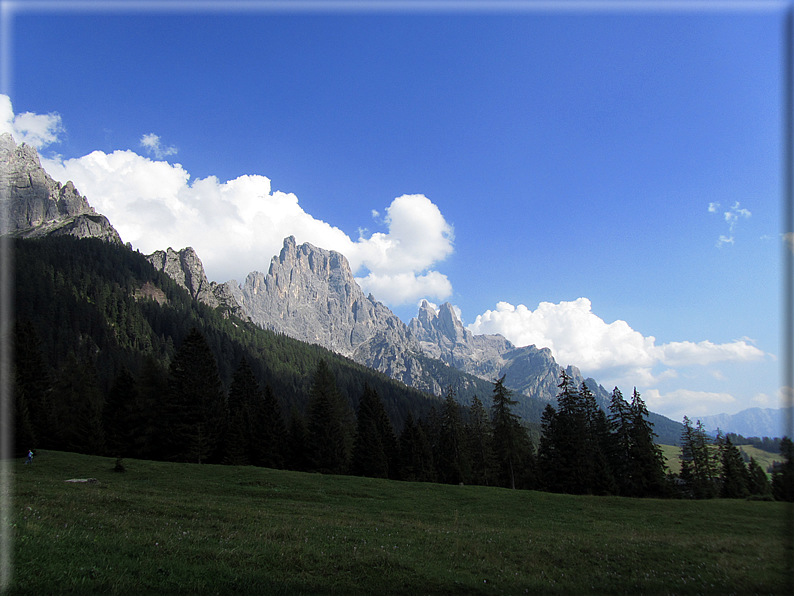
166	528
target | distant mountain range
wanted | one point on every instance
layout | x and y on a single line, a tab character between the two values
310	294
753	422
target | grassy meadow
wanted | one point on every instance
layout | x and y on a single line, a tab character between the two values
162	528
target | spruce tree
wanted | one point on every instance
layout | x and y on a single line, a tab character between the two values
296	453
453	461
734	478
697	465
479	433
511	445
647	461
758	484
619	455
329	424
117	414
416	456
369	452
548	456
269	433
195	410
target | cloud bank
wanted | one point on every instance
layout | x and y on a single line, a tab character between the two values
575	335
237	226
38	130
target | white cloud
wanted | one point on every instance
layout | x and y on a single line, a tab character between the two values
152	144
237	226
684	402
575	335
732	217
38	130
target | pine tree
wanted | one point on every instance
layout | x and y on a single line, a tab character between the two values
329	424
269	436
147	421
697	465
479	433
195	411
619	455
416	456
548	456
759	484
453	461
116	416
369	451
599	478
734	478
570	436
512	448
296	454
647	461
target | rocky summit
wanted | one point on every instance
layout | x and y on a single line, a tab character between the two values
35	205
309	293
186	269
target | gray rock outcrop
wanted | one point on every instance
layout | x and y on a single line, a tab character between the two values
32	204
187	270
528	370
310	294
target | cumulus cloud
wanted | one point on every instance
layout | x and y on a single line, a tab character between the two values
575	335
684	402
38	130
152	144
237	226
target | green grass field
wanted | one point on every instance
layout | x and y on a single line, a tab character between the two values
163	528
764	458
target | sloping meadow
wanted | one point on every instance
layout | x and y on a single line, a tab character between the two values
162	528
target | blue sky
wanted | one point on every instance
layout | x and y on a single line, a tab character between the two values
606	182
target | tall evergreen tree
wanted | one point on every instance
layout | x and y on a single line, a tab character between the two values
33	380
416	456
147	420
296	453
479	433
697	465
117	414
599	477
734	478
512	449
548	456
269	431
369	449
759	484
195	411
329	424
647	461
619	455
453	461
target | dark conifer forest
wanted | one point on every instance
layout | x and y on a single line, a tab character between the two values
114	358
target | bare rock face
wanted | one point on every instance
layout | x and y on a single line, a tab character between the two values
186	269
310	294
441	335
35	205
528	370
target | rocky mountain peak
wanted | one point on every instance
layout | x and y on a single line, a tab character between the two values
35	205
187	270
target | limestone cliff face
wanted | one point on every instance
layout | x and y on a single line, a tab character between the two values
442	335
310	294
186	269
35	205
529	370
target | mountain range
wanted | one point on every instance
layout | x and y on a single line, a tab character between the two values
310	294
